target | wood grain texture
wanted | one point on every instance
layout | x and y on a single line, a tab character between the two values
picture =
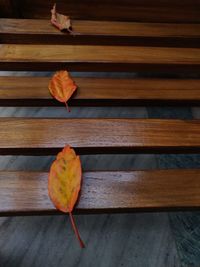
139	10
90	27
46	136
100	32
83	57
22	192
32	91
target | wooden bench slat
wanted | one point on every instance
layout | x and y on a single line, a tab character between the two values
83	57
25	91
26	192
89	27
46	136
100	32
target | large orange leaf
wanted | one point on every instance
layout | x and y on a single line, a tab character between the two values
65	182
62	87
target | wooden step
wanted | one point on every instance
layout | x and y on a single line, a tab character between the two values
116	191
48	136
94	58
33	91
100	32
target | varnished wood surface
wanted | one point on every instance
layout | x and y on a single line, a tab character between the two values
26	135
25	91
100	32
22	192
89	27
84	57
139	10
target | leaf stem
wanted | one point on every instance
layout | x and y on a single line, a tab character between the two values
76	230
67	107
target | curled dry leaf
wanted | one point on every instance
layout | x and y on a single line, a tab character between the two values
60	21
61	86
65	182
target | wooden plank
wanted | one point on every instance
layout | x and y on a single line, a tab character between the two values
33	91
86	57
100	32
139	10
48	136
102	28
26	192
